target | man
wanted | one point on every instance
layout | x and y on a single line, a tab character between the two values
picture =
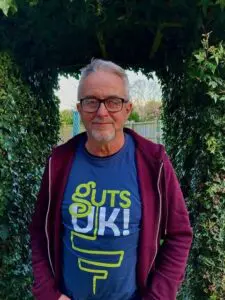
110	221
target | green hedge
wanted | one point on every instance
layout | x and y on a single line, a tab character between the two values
28	129
194	132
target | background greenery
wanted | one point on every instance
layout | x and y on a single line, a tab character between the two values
41	39
28	129
194	131
66	117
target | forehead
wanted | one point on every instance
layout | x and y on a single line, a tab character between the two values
101	84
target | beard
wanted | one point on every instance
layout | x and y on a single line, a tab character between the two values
103	136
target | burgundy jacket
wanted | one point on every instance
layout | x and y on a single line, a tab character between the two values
160	269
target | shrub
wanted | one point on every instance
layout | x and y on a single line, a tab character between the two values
28	129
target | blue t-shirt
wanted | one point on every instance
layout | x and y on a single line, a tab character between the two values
101	213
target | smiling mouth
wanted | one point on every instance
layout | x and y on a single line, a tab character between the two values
101	123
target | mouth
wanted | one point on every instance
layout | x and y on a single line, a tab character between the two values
100	124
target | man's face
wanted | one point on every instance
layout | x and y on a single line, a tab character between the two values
103	126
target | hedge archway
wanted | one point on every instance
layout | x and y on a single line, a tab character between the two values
47	38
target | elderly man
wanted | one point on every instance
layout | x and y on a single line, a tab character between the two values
110	221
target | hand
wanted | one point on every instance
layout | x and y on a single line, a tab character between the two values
64	297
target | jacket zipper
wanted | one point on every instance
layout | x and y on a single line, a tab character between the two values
46	219
159	220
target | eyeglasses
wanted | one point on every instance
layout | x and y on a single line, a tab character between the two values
112	104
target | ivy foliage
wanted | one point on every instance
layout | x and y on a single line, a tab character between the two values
11	6
28	129
194	131
53	37
62	36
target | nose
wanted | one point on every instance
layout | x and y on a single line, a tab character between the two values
102	111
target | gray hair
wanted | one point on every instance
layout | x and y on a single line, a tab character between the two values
103	65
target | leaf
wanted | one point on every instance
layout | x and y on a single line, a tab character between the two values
212	67
156	42
201	56
205	5
4	232
217	59
121	18
33	2
213	84
6	5
221	3
213	95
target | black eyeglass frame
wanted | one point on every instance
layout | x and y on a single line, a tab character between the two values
103	101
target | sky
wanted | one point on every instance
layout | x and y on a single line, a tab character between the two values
140	87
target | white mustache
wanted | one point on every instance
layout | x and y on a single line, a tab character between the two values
101	121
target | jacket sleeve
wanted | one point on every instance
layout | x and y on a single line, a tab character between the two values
172	256
44	285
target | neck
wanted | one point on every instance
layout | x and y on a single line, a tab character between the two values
105	149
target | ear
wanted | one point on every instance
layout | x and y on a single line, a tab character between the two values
129	108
